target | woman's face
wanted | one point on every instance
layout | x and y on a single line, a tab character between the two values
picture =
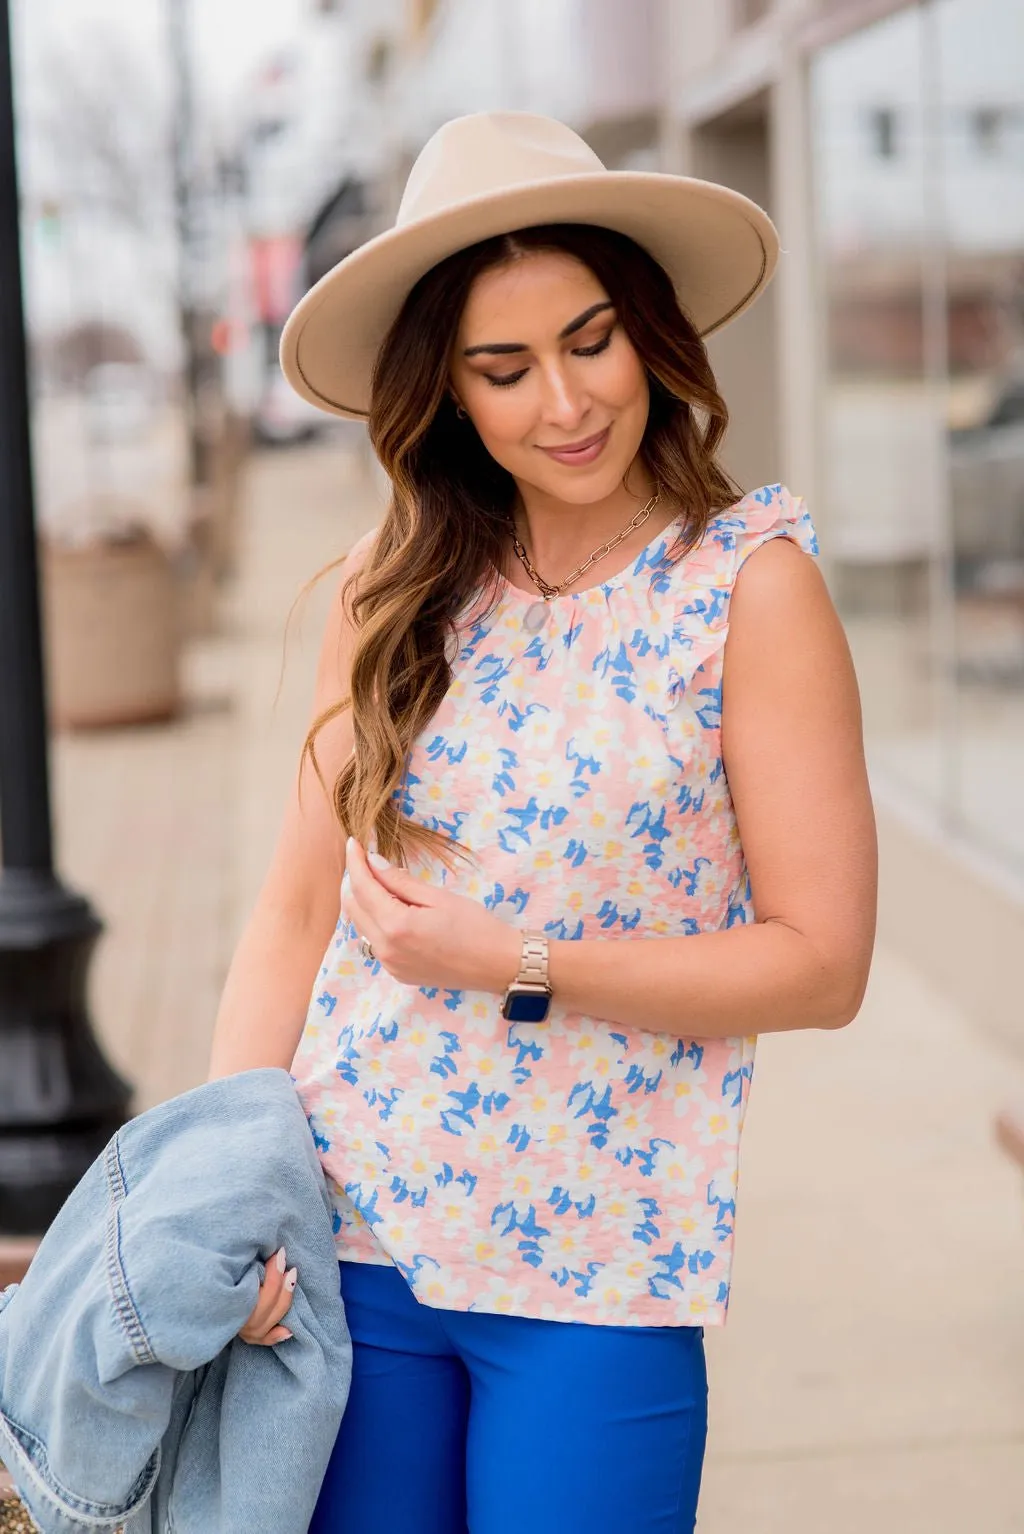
549	378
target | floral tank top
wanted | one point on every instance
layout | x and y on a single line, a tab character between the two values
577	1169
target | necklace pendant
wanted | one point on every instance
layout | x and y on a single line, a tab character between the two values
535	617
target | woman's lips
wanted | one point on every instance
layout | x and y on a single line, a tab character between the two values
579	452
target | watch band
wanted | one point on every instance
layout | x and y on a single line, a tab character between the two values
533	963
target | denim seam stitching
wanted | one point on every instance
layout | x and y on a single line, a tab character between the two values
124	1305
47	1484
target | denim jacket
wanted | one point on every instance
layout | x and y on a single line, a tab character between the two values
127	1401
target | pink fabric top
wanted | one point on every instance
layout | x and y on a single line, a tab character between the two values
575	1170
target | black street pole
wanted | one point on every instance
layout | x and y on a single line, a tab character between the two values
59	1099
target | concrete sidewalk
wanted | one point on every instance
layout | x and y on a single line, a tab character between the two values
871	1377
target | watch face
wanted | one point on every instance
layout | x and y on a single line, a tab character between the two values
526	1007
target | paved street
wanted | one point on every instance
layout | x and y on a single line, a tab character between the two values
871	1376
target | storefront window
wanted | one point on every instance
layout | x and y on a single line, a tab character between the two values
979	64
883	454
919	188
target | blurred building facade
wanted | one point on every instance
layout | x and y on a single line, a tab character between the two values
884	378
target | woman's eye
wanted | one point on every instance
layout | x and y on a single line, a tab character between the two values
508	380
592	351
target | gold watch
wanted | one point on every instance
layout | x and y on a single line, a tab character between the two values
528	998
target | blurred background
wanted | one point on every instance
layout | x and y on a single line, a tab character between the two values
188	168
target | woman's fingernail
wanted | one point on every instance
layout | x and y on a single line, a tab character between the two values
376	861
349	842
287	1335
282	1260
291	1278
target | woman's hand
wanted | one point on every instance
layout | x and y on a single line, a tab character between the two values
275	1301
424	934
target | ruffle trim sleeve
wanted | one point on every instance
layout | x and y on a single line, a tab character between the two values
701	624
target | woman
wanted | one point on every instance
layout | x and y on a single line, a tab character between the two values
568	670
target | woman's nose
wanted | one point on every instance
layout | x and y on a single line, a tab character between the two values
565	405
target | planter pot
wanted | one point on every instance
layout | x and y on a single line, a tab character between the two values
113	632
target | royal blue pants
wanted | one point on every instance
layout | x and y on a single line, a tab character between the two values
459	1421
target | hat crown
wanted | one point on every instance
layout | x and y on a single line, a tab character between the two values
490	153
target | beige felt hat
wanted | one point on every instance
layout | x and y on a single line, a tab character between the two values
494	172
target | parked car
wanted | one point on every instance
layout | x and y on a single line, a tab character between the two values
987	488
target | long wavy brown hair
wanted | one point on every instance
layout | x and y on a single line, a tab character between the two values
446	528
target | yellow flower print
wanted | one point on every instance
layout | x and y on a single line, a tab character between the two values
635	1270
523	1185
487	1145
483	1250
556	1132
543	858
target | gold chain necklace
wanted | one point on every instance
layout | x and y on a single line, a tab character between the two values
547	591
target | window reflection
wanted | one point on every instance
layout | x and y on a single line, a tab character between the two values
919	176
980	85
883	449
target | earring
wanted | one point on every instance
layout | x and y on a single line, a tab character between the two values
462	414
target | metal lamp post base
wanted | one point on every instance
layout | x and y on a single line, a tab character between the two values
60	1101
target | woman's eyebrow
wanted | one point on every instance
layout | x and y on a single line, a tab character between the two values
502	348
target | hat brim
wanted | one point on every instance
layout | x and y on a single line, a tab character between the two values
719	249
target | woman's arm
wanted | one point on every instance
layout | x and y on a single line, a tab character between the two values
266	994
795	764
791	742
